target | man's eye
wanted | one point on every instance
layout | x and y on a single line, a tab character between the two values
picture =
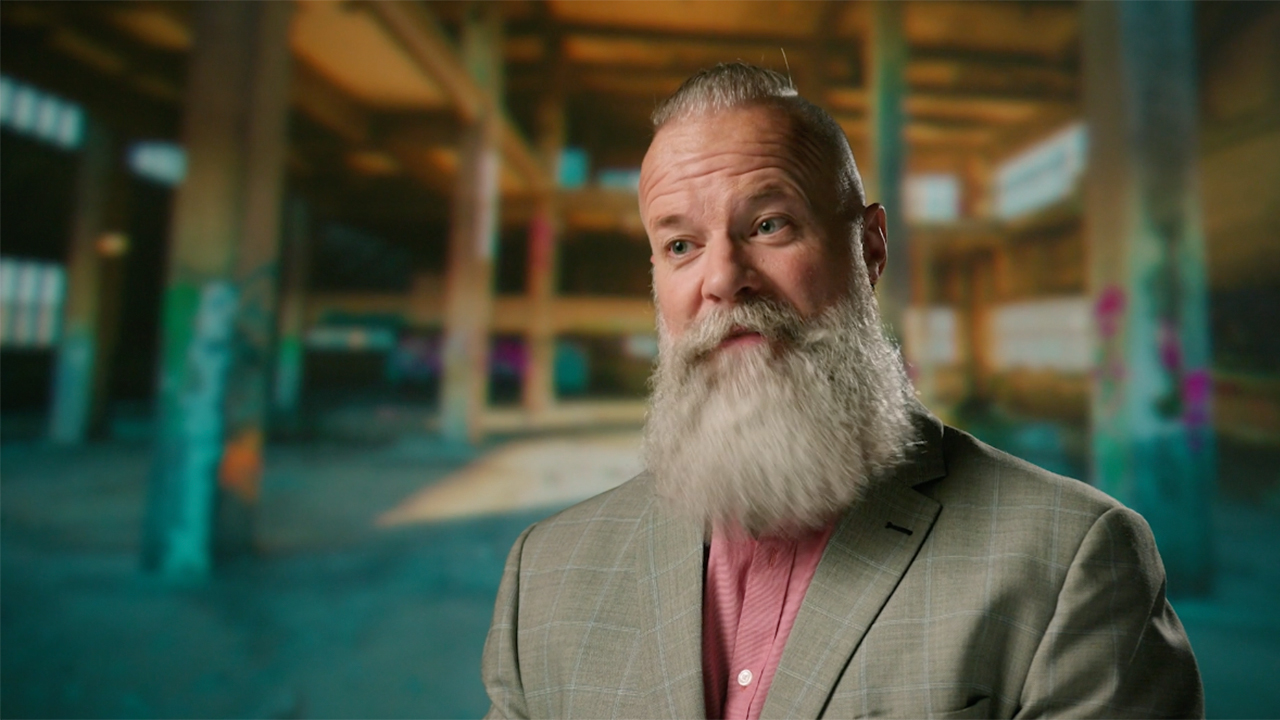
679	247
771	226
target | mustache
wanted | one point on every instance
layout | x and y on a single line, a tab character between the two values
773	319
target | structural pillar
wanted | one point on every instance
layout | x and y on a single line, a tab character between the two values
290	358
1152	437
78	382
887	92
472	238
544	232
218	306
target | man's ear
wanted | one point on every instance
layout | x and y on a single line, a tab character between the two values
875	248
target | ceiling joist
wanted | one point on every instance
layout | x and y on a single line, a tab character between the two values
419	35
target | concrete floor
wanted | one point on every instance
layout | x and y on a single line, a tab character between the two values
340	616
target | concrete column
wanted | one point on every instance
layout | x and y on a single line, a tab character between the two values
77	384
220	299
887	92
293	298
544	232
472	238
1152	436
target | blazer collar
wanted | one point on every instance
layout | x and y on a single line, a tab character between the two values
861	566
869	552
669	561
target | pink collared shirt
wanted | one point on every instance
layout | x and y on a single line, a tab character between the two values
751	597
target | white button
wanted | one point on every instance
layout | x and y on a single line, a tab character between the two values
744	678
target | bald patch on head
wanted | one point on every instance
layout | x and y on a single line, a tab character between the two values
728	86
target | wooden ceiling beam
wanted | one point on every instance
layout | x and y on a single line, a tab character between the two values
772	43
421	37
437	129
605	32
26	55
994	60
92	41
328	106
923	131
934	102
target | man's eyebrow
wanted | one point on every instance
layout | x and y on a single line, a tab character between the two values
666	222
771	192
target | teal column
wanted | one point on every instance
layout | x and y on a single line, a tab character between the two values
75	378
218	306
1153	445
290	357
887	93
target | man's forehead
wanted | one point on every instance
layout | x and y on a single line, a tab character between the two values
729	139
756	145
758	123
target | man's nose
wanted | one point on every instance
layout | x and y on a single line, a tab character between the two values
729	273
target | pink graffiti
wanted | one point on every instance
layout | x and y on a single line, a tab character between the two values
1197	390
1112	370
1170	346
1109	310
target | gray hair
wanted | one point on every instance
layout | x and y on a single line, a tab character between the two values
738	84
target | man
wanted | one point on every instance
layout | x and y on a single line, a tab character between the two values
807	540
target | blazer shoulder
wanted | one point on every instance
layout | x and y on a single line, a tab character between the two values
980	473
596	526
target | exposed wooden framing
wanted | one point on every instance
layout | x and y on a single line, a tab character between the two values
472	237
615	32
434	129
602	210
314	95
994	60
811	77
92	40
423	39
674	54
1011	139
925	133
627	50
638	79
929	100
26	54
544	230
512	314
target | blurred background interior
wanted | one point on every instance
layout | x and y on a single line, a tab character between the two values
308	308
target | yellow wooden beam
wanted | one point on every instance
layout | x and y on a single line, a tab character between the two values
422	38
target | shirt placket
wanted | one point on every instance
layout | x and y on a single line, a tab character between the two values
766	592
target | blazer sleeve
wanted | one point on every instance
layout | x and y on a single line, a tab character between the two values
1114	647
500	665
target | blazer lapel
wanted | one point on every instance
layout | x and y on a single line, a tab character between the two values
669	563
859	570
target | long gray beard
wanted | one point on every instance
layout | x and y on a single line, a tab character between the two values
781	437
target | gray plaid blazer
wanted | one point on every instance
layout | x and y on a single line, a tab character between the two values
1013	592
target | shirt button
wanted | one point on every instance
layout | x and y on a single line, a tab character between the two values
744	678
